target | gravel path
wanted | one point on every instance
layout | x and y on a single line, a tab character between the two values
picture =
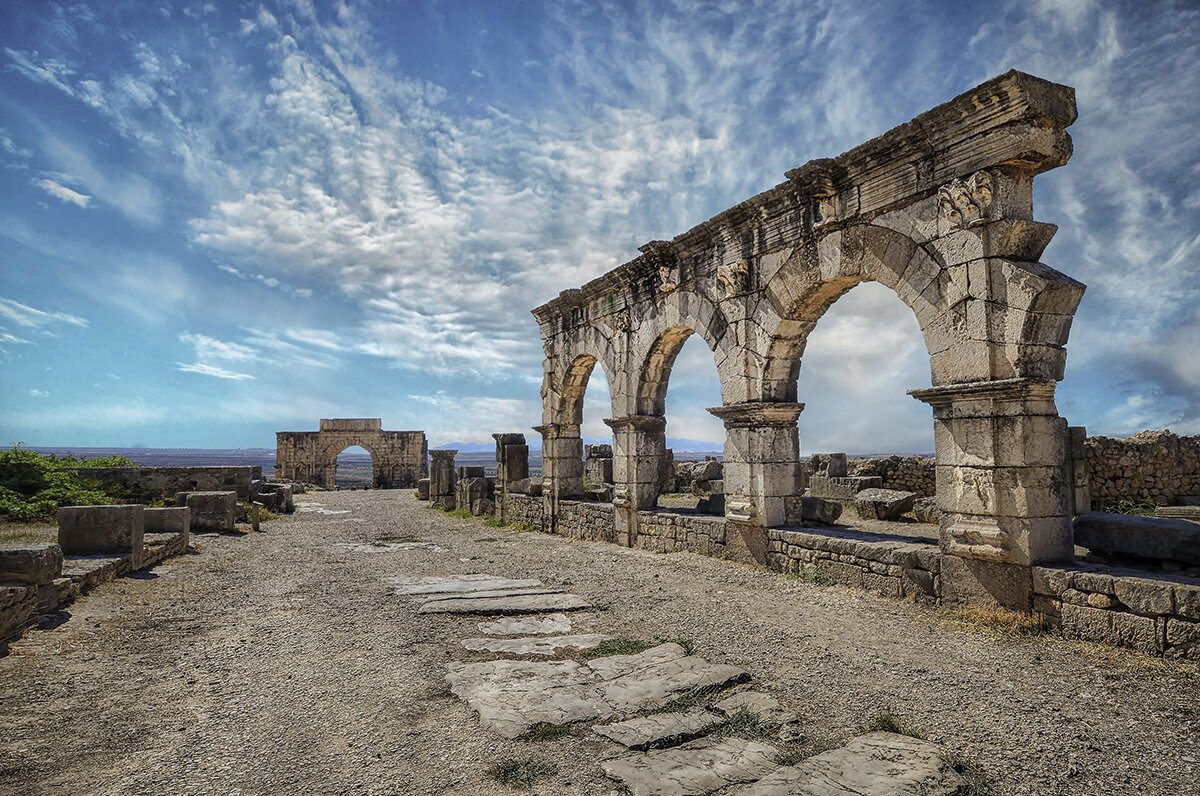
279	663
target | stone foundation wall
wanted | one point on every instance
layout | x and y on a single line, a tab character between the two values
1155	466
585	519
522	508
905	473
154	483
890	567
1157	614
669	531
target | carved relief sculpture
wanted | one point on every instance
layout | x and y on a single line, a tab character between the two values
734	277
965	203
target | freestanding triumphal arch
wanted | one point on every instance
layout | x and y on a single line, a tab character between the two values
941	211
398	458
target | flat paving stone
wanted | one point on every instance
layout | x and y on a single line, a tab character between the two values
511	696
521	604
457	584
388	547
536	645
554	623
660	729
875	764
764	705
433	598
699	767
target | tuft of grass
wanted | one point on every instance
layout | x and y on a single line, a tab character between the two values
1142	508
977	782
462	514
546	731
691	698
264	514
521	771
746	723
810	574
493	522
436	507
632	646
807	748
521	527
886	722
1000	621
19	536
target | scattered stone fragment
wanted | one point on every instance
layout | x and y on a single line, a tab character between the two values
554	623
875	764
520	604
695	768
457	583
660	729
544	645
926	510
884	504
819	510
766	706
511	696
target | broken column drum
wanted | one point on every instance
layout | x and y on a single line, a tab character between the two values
940	210
398	458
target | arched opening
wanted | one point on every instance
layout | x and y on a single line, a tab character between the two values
354	468
861	355
595	404
681	360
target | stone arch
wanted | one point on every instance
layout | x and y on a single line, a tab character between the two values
398	458
660	338
334	448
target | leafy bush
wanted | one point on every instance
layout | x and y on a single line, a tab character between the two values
33	485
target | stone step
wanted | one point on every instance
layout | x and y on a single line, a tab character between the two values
660	729
536	645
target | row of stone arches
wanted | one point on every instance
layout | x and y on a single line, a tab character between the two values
943	218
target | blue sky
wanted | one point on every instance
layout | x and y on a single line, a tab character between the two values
219	220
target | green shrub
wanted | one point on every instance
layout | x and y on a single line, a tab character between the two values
33	485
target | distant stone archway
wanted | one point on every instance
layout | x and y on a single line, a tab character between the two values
398	458
940	210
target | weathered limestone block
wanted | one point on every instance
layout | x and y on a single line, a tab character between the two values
169	520
697	767
883	504
423	489
18	604
472	488
1144	537
926	510
1183	639
818	510
210	511
441	478
839	488
660	729
1110	627
483	507
35	564
89	530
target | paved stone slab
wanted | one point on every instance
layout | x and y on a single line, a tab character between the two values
388	547
875	764
456	584
433	598
511	696
554	623
544	645
696	768
764	705
660	729
521	604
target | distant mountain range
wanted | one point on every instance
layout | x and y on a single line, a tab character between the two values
535	443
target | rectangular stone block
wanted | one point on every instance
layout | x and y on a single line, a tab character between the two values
1145	596
92	530
35	564
212	511
176	520
1183	639
1145	537
1115	628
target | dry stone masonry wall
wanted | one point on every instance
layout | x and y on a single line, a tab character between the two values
1151	466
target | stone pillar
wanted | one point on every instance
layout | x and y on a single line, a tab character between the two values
1003	486
639	446
562	459
441	478
512	464
762	469
1080	475
837	465
598	464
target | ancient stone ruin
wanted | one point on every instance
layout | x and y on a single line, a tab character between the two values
398	458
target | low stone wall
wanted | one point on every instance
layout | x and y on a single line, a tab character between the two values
1157	614
887	565
586	519
1153	466
162	483
904	473
526	509
669	531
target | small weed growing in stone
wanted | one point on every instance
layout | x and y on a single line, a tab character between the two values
545	731
689	699
619	646
521	771
462	514
436	507
977	782
1138	507
812	575
806	749
1001	622
521	527
745	723
886	722
492	522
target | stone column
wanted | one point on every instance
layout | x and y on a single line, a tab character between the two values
512	464
762	469
639	446
1003	485
562	459
441	478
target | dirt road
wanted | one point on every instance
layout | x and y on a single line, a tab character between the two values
280	663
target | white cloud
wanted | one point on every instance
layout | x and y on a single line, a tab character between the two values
31	318
62	192
36	393
211	348
211	370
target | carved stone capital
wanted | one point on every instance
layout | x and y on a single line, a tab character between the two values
998	390
967	203
651	423
758	413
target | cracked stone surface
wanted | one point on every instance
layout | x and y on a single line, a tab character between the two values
696	768
544	645
764	705
875	764
554	623
511	696
457	584
660	729
521	604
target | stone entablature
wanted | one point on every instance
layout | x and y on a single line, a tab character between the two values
398	458
941	211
